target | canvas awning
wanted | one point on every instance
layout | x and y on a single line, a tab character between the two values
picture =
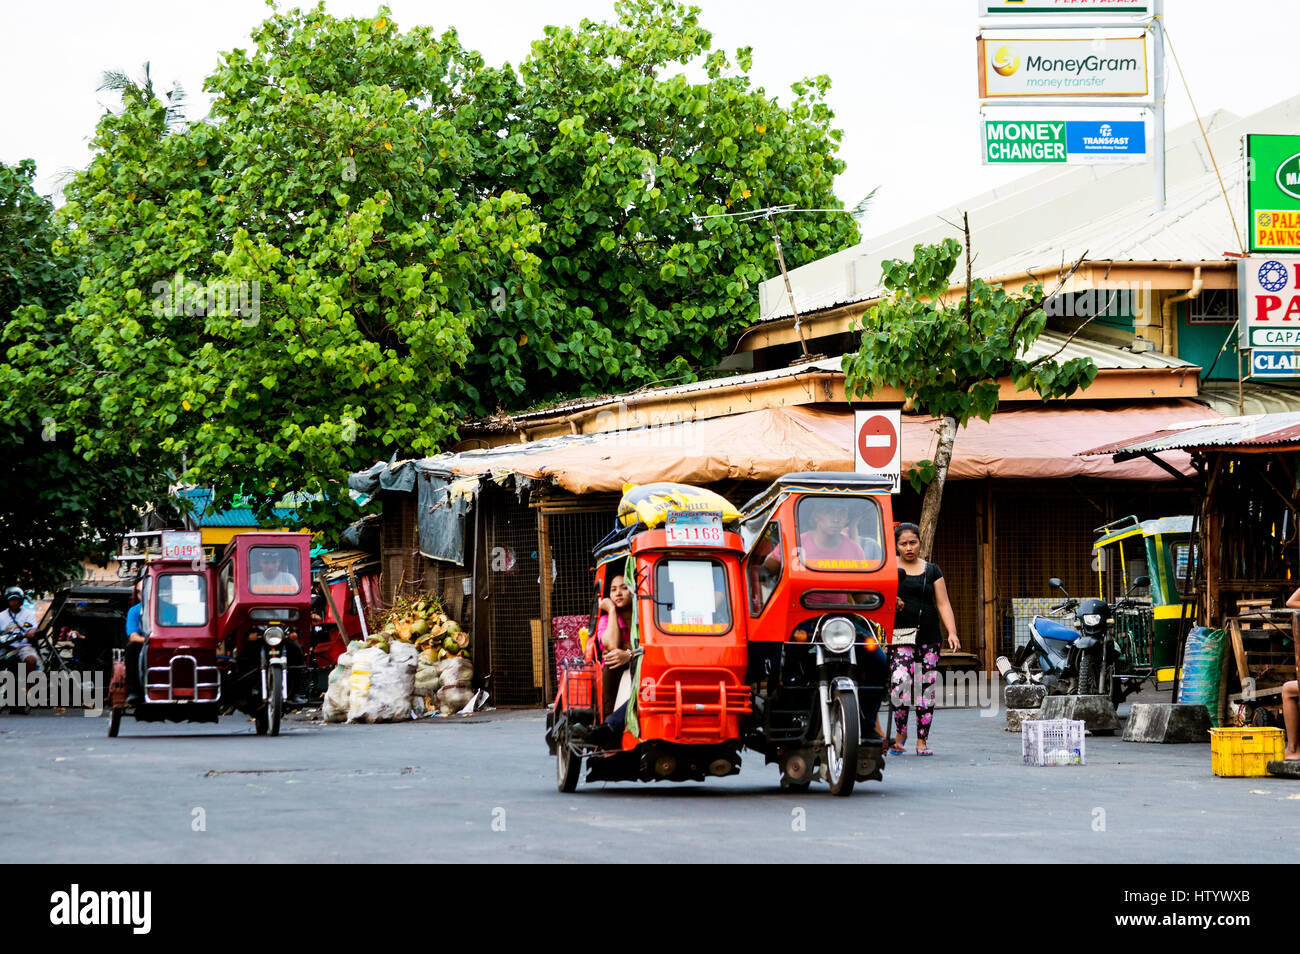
1039	442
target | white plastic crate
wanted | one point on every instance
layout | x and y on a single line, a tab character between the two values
1052	741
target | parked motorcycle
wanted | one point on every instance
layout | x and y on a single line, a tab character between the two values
1076	658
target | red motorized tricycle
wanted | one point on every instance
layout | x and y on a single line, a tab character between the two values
684	686
820	585
216	640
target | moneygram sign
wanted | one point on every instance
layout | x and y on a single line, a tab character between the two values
1064	67
1060	141
1269	290
1273	192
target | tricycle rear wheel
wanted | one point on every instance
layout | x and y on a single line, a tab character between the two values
114	722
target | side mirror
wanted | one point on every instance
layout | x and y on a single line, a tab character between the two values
1054	581
1141	581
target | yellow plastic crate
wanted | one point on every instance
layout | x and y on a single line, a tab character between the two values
1245	753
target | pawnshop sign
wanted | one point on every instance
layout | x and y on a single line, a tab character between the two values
1269	290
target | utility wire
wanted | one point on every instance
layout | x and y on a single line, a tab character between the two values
1232	215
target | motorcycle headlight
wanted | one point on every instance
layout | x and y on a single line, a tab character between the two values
1091	619
273	635
837	634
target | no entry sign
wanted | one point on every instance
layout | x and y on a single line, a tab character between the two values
878	443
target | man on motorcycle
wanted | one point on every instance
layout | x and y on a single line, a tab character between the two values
17	622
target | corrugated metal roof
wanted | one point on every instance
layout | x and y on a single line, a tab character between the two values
1256	398
1254	430
1054	215
713	384
1107	357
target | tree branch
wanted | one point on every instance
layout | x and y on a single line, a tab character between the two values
965	225
1033	306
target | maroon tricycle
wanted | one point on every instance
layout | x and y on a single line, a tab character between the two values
216	638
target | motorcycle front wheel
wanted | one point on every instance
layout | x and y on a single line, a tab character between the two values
842	753
1088	675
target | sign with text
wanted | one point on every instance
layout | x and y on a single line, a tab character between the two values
1269	301
1275	364
1069	66
182	545
878	444
694	527
1273	192
989	8
1064	141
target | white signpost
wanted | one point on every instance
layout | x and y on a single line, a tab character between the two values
878	444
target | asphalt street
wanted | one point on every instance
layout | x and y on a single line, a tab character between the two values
482	789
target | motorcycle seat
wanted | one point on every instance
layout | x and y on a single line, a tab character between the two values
1051	629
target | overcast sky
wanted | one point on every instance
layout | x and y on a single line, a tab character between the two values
904	84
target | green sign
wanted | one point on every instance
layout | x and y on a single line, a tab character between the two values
1024	141
1273	193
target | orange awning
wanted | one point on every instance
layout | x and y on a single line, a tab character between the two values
1037	442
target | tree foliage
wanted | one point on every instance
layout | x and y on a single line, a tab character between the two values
948	357
375	234
57	509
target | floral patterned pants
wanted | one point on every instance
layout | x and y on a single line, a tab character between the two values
912	684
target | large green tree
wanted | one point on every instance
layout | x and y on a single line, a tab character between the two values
57	508
375	234
948	357
624	156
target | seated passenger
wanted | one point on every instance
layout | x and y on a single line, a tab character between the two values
614	630
269	574
827	540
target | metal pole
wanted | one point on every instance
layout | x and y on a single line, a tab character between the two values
1158	101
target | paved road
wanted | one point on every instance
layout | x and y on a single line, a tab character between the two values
483	789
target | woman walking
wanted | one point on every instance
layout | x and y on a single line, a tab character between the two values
914	652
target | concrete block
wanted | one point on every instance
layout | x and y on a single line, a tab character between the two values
1167	722
1287	769
1015	717
1095	712
1025	696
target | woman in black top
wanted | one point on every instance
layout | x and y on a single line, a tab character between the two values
914	654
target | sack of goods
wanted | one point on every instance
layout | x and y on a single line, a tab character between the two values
382	683
650	503
338	695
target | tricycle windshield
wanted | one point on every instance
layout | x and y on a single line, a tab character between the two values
274	570
691	597
182	599
840	533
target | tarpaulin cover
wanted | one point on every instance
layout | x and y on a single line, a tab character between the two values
399	476
1027	443
442	506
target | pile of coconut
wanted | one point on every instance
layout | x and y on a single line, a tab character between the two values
422	645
